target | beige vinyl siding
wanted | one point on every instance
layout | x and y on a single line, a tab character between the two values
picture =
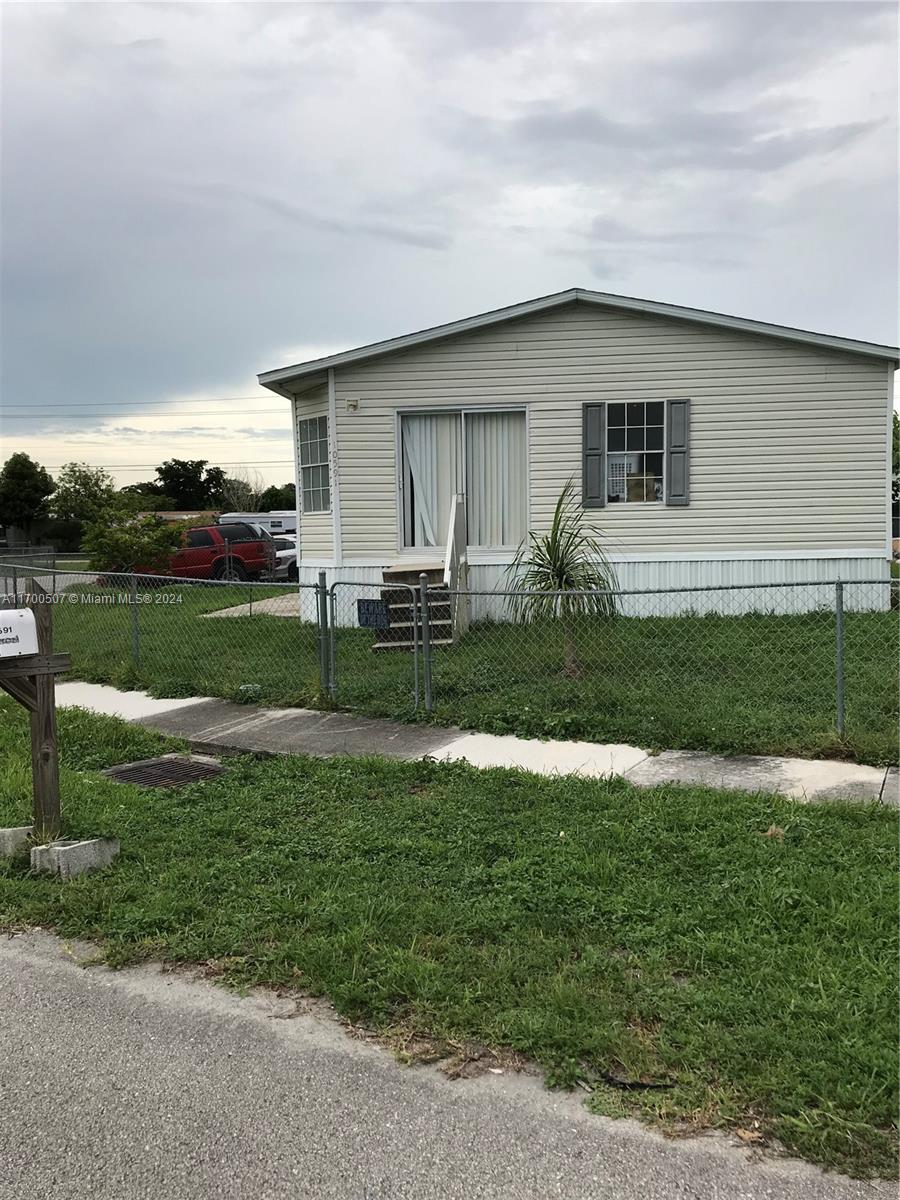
787	448
315	528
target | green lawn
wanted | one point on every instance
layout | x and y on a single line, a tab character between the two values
753	684
615	936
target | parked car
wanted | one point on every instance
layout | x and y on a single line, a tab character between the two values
223	552
285	558
258	528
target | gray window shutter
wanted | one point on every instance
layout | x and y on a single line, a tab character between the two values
678	426
593	458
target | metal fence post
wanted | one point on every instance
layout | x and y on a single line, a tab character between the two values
332	648
135	625
15	583
839	653
322	608
426	640
415	630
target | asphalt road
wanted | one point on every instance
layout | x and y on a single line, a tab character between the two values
144	1084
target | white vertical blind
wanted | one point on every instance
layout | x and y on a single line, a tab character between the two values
432	475
495	478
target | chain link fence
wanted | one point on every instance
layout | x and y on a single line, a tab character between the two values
800	668
796	668
24	558
246	642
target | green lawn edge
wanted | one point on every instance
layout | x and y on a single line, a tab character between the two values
740	949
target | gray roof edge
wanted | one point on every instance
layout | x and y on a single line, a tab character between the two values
272	379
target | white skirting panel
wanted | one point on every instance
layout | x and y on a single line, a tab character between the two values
669	588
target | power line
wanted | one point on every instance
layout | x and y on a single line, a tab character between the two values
210	412
147	403
257	462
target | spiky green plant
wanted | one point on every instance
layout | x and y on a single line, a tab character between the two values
565	574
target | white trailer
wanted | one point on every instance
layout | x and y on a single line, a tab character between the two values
281	520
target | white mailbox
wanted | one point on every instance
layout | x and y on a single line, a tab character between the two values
18	634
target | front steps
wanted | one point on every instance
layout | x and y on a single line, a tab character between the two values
405	630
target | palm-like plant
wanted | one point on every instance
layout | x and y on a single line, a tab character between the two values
565	574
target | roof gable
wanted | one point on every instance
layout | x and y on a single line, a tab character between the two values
277	379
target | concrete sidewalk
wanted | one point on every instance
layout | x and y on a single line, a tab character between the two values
220	726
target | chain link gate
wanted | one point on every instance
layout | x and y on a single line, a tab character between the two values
373	639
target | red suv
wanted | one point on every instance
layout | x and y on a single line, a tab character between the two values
223	552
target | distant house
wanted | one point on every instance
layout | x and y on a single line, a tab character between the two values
708	449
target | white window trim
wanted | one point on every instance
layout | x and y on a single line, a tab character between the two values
626	503
315	512
439	551
334	473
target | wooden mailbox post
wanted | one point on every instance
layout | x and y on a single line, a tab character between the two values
27	669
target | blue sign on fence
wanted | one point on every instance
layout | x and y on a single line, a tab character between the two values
373	614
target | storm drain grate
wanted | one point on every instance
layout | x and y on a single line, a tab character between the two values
170	770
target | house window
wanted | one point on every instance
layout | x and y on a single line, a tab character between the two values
313	441
635	437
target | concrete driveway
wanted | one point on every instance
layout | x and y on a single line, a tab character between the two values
144	1084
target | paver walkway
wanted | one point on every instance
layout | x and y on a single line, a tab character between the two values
219	725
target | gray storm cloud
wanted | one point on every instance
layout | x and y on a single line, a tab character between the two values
194	193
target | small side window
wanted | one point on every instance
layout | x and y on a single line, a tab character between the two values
199	537
237	533
312	437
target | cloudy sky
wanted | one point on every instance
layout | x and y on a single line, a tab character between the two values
192	193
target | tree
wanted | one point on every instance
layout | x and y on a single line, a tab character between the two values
24	489
190	483
551	567
122	541
241	492
146	488
144	497
215	482
82	492
274	498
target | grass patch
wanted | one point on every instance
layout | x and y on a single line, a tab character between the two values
754	684
611	934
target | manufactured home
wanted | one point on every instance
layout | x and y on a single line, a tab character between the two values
708	450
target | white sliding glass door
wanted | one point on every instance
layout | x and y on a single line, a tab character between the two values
495	478
482	455
432	475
